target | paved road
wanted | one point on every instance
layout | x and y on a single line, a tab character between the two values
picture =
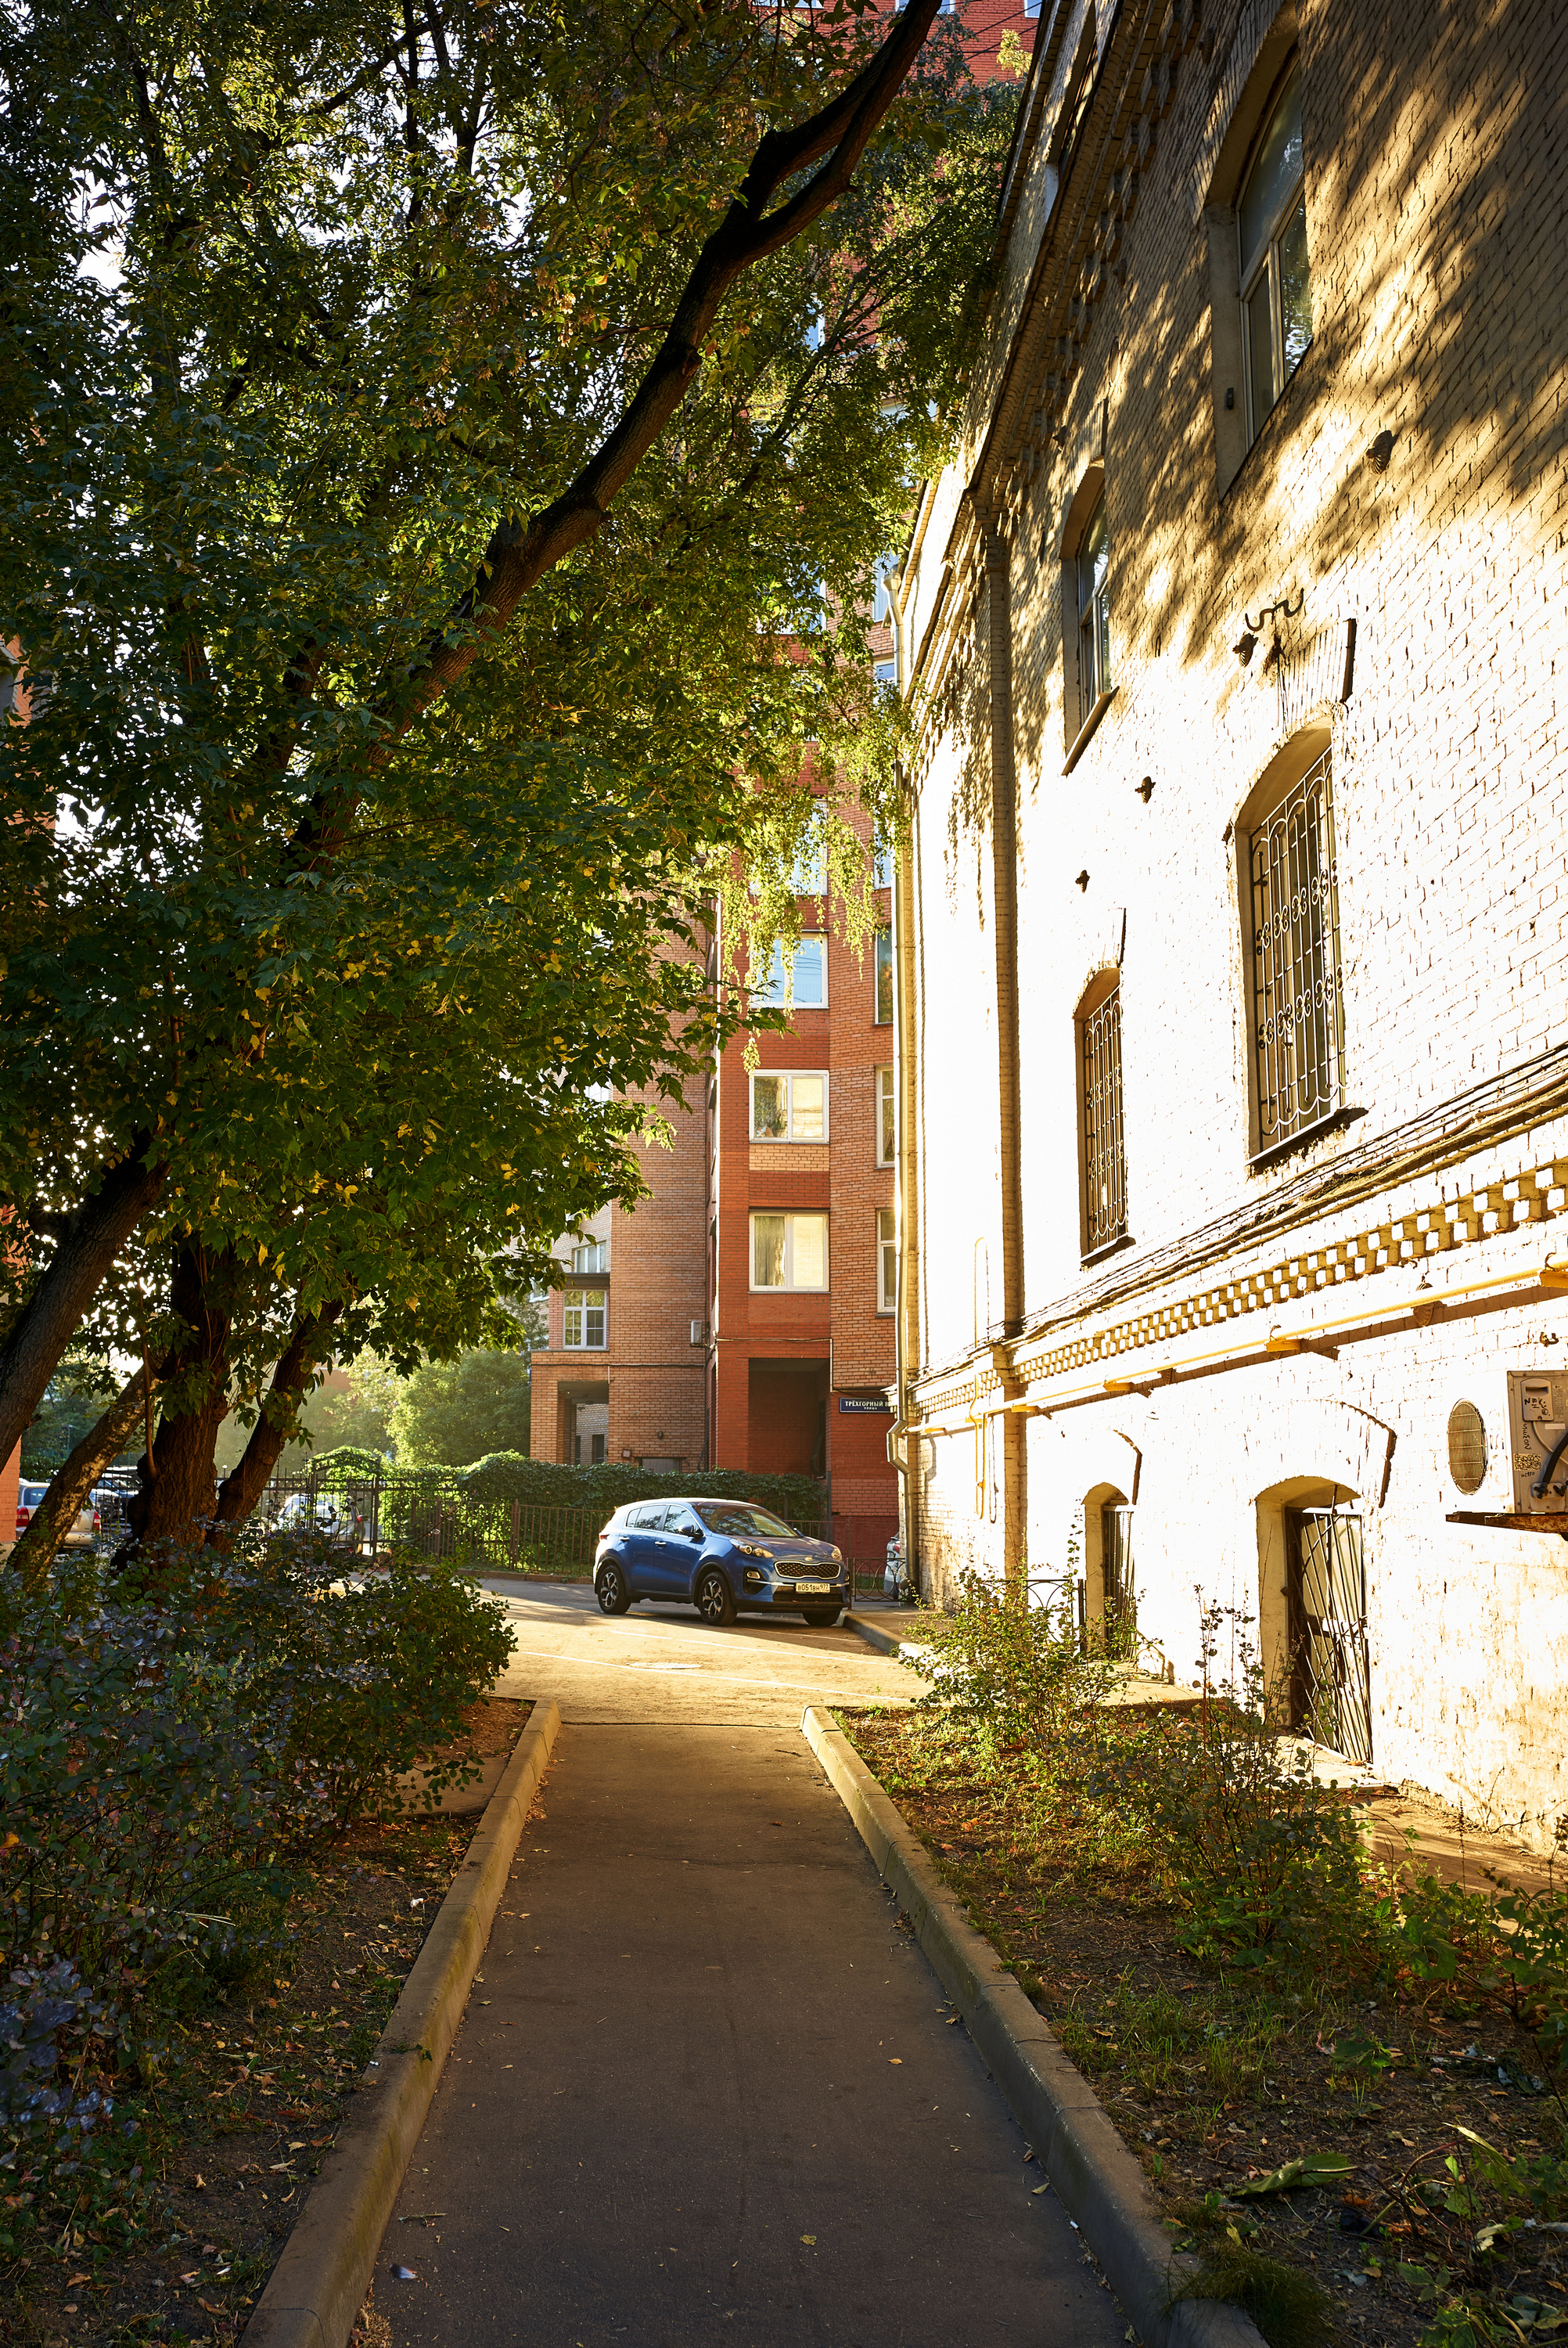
661	1663
705	2091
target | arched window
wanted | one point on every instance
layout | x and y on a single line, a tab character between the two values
1099	1109
1271	227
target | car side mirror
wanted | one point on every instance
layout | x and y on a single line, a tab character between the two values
691	1532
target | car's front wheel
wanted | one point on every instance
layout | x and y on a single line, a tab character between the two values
821	1618
611	1588
715	1599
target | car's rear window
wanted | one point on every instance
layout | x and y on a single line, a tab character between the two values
733	1516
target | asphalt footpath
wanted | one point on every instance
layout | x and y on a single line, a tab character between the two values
706	2090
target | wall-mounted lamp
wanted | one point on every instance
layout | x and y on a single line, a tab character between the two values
1083	880
1146	789
1245	646
1284	608
1379	452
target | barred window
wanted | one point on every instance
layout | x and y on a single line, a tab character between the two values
1104	1161
1298	1004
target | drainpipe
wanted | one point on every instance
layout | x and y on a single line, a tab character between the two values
1004	930
906	1320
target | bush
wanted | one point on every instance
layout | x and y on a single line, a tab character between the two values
542	1483
165	1748
1016	1674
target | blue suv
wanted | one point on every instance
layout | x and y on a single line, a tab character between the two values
720	1556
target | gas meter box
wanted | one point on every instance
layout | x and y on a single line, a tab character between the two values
1538	1436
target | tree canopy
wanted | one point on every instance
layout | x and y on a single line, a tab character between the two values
448	452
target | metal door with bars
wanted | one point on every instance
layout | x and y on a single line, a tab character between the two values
1330	1679
1121	1596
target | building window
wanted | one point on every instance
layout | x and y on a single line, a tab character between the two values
884	978
1104	1156
789	1104
1298	1003
802	982
887	1260
1093	612
1276	291
789	1252
592	1255
887	1126
583	1318
885	672
881	865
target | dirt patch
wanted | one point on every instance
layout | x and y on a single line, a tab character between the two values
1217	2080
251	2109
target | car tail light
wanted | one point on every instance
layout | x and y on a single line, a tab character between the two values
97	1522
23	1518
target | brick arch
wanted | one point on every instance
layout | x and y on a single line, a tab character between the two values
1319	1436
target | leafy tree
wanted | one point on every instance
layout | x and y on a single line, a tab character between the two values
424	438
451	1413
75	1399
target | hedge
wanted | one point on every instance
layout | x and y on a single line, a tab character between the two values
542	1483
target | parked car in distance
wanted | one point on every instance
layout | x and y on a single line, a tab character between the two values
723	1557
331	1514
83	1532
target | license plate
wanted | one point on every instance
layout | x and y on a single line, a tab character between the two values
813	1588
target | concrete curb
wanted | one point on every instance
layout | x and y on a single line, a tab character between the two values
1098	2181
318	2286
887	1642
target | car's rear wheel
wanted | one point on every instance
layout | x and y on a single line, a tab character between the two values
715	1599
821	1618
611	1588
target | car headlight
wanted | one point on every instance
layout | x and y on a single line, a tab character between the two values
838	1556
747	1548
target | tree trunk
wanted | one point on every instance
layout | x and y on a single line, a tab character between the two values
50	1318
173	1508
244	1485
68	1489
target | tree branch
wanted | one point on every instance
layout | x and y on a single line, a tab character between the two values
243	1486
57	1511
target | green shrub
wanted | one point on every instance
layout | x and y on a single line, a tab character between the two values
543	1483
1015	1674
165	1747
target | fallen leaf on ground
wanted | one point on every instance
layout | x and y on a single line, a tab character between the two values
1307	2169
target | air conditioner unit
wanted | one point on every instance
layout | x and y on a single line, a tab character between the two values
1508	1446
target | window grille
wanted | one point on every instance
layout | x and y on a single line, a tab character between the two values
1297	990
1104	1162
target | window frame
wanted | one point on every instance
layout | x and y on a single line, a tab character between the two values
1081	712
886	1109
882	960
1279	797
785	997
887	1229
1266	265
599	1248
585	1301
789	1138
788	1285
1101	1117
1094	676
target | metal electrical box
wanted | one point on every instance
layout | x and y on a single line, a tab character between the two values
1538	1441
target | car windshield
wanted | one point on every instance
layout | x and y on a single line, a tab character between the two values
731	1519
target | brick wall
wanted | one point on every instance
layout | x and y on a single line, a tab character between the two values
1435	229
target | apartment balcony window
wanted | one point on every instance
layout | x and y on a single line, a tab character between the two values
584	1313
1299	1002
592	1255
789	1252
801	982
884	978
1104	1155
887	1123
887	1260
789	1104
1275	285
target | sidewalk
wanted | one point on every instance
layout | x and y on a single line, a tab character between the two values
705	2091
